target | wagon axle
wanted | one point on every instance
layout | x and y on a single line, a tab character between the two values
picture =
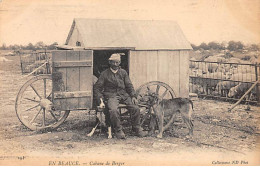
47	105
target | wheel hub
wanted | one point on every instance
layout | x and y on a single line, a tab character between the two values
46	104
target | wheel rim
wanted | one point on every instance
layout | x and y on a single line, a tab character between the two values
34	104
148	90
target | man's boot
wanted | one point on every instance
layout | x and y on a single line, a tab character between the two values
120	134
139	132
135	118
116	124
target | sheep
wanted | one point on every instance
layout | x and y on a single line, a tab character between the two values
3	59
208	84
201	66
216	75
245	62
241	69
234	60
224	68
253	60
245	77
224	86
194	88
239	90
192	64
212	67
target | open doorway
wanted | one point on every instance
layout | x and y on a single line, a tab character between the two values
100	60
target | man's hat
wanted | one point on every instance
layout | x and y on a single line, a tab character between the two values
115	57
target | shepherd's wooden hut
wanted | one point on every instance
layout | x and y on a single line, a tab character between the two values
153	50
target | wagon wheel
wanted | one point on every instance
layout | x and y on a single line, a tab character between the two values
33	104
145	93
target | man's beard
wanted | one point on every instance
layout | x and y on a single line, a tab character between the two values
114	67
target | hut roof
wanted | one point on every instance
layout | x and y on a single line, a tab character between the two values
138	34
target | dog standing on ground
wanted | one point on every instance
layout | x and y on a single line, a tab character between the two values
170	108
101	120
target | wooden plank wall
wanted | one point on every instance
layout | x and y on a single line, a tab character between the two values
170	67
58	80
73	79
72	76
184	72
86	77
138	71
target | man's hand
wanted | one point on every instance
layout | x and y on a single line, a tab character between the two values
134	100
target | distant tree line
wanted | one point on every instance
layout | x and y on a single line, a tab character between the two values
37	46
231	45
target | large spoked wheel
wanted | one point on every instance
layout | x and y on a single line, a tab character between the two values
34	107
146	95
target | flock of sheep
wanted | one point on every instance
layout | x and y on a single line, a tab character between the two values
219	76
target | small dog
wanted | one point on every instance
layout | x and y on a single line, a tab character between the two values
101	120
170	108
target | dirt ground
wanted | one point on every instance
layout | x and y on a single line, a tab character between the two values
220	137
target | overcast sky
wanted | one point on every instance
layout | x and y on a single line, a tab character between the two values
24	21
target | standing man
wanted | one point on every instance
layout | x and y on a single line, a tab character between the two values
114	87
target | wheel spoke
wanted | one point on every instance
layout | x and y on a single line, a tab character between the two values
44	86
33	107
144	118
43	117
140	95
165	120
54	116
142	111
35	91
35	116
143	105
32	100
49	95
165	92
157	89
149	90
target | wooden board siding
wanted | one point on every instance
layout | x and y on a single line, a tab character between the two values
136	68
174	71
72	82
86	77
72	75
163	59
170	67
184	73
151	61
